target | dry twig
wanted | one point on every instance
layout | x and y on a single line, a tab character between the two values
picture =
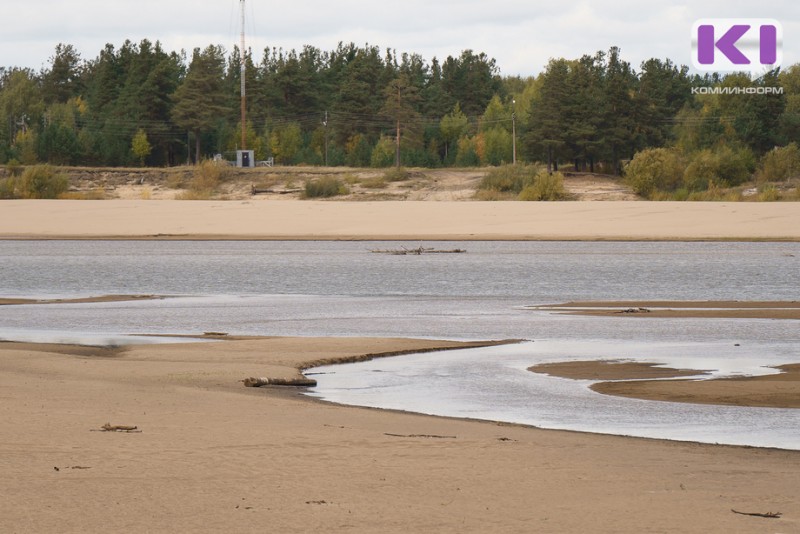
768	515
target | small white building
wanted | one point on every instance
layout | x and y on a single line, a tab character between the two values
245	158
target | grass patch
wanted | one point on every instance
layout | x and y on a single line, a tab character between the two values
769	193
396	174
377	182
351	179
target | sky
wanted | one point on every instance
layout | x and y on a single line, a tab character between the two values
521	35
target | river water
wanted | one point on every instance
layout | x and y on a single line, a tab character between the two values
341	289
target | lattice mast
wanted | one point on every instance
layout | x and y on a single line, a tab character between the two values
243	58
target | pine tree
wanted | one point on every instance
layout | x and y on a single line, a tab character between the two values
200	101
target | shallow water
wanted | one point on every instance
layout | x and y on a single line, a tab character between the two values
494	384
340	289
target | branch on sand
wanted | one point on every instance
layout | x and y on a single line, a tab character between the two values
108	427
768	515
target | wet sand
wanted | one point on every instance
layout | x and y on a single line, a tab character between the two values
772	391
85	300
681	309
210	455
634	379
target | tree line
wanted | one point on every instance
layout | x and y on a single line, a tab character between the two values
140	104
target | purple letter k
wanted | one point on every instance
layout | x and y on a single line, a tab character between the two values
726	44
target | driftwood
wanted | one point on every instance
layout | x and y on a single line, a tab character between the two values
108	427
261	191
253	382
768	515
430	436
635	310
417	251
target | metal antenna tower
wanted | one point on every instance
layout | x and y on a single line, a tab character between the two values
243	57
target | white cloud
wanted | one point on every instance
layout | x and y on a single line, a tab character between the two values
521	35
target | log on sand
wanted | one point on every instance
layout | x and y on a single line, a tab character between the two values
253	382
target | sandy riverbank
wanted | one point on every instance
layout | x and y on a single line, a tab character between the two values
213	456
132	219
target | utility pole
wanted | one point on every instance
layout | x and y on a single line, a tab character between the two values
397	146
243	56
514	130
325	124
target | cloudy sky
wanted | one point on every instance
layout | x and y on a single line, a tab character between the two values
520	34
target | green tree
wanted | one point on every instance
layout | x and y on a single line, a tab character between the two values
400	104
286	143
199	100
471	79
619	120
664	89
63	80
21	111
497	146
546	133
790	118
383	153
453	126
140	146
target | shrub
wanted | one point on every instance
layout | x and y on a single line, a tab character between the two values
722	166
8	188
655	169
325	187
702	171
206	177
209	174
509	178
546	186
780	164
14	167
41	181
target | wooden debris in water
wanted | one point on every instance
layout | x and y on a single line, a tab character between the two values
417	251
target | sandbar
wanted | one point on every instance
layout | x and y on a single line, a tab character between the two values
637	380
730	309
209	455
81	300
